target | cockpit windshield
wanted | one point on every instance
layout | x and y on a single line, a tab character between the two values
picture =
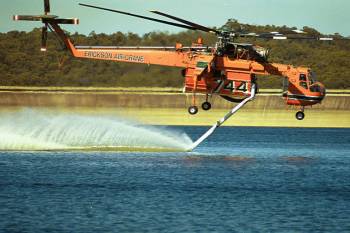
312	77
314	86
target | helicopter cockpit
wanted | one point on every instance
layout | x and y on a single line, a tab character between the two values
309	82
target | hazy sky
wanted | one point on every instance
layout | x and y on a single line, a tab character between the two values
327	16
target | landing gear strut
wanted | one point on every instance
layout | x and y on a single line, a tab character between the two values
300	115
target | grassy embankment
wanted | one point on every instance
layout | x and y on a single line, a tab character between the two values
167	106
245	117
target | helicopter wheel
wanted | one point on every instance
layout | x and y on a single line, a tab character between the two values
192	110
206	106
300	115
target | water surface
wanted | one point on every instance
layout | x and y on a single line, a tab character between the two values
243	179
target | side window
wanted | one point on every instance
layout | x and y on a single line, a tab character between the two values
302	77
315	88
303	80
303	84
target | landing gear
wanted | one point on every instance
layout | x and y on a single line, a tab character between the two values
192	110
222	120
206	106
300	115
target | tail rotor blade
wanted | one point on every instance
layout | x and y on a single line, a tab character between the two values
67	21
27	17
48	20
47	6
43	38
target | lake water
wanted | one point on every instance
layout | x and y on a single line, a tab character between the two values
242	179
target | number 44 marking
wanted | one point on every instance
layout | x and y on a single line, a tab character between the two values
231	86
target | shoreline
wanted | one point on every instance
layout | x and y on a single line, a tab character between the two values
117	99
163	106
180	116
134	90
244	118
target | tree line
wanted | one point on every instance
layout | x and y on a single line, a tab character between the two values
22	63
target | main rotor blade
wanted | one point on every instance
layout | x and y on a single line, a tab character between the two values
142	17
197	26
296	36
287	31
47	6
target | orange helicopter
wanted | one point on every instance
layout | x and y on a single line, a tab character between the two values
228	69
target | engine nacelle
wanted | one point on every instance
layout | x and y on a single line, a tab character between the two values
262	52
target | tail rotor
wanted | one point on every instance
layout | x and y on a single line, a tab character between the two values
46	19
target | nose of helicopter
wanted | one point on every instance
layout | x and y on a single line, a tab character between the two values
319	90
322	90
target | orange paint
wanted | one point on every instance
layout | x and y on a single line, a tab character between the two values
229	69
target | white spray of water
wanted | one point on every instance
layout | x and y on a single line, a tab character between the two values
36	130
